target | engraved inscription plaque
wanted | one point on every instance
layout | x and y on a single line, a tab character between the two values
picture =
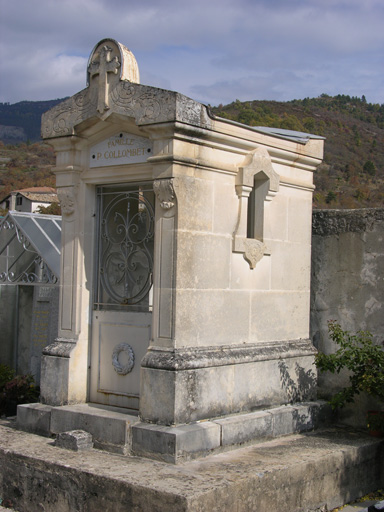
120	149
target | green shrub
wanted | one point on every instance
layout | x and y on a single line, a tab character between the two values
6	374
359	355
15	390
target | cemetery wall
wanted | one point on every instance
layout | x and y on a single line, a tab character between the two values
28	322
347	284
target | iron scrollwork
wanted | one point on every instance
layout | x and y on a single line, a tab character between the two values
26	266
126	262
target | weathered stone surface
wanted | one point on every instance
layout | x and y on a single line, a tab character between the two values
146	104
243	428
76	440
227	382
110	427
205	357
263	425
61	347
175	444
34	418
295	474
115	431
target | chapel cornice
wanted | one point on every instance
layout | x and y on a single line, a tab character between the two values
147	105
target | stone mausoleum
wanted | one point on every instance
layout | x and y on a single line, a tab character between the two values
185	272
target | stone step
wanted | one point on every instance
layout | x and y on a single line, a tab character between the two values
110	427
315	471
113	429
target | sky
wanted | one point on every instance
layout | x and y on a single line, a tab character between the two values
214	51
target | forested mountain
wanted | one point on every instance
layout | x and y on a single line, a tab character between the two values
352	175
20	122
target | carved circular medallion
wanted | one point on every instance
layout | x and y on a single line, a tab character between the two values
123	369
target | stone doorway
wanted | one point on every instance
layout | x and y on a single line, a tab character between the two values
122	302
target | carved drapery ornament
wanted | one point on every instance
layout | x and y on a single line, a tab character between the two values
257	167
165	193
67	198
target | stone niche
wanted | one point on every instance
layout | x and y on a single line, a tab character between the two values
227	326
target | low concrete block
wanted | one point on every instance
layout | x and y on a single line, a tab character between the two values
76	440
34	418
323	413
304	417
310	415
175	444
284	420
244	428
110	429
300	417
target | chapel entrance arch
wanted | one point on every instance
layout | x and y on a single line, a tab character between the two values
122	301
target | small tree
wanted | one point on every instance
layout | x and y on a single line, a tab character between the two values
359	355
331	196
369	168
52	209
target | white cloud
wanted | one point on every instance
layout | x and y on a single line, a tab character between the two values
215	51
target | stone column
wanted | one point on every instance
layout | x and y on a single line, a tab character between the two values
64	361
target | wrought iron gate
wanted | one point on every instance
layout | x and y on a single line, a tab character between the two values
123	292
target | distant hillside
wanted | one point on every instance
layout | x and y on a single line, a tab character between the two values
352	175
25	165
20	122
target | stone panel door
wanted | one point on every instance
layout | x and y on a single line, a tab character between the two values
122	308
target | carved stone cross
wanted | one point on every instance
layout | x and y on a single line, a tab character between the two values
104	66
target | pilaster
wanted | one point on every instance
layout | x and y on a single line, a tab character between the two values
64	363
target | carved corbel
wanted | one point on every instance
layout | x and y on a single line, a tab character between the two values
165	193
67	198
257	168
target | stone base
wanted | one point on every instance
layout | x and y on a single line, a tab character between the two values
114	430
299	473
182	386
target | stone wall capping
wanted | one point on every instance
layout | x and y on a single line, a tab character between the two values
334	222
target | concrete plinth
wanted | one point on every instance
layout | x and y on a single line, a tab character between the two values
298	473
114	430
